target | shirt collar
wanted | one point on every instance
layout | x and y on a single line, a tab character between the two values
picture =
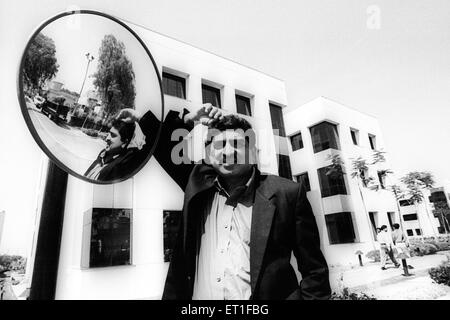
242	194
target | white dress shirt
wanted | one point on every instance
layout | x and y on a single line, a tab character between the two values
223	260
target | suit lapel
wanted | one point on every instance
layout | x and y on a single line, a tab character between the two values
262	217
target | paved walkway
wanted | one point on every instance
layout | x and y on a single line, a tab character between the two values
391	284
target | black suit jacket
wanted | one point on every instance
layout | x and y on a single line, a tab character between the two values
282	223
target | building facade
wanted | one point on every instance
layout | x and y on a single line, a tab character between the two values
348	209
138	209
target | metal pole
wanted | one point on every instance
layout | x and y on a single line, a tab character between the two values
45	270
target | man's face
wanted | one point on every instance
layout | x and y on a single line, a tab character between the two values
113	140
230	154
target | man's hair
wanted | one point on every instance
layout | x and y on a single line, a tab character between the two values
126	129
234	122
383	227
231	122
396	226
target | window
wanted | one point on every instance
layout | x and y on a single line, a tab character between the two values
409	232
418	232
243	105
355	135
296	141
110	237
304	179
340	227
324	136
391	218
174	85
284	166
331	183
211	95
382	179
410	217
171	224
276	114
372	141
405	203
373	221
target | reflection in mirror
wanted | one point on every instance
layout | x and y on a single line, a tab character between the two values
81	87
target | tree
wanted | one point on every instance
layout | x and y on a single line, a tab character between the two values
40	63
114	79
378	156
359	170
399	194
442	211
416	182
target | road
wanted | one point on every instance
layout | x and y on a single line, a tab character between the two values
69	145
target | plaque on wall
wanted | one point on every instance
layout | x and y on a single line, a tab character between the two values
83	78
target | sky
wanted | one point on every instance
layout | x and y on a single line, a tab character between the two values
74	38
390	59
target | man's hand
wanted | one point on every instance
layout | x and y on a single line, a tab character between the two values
128	115
206	115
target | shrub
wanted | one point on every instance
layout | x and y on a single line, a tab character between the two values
441	274
14	263
348	295
421	249
443	246
374	255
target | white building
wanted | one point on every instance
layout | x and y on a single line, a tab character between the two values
418	218
189	75
2	222
347	212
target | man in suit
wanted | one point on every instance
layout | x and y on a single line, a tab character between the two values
239	226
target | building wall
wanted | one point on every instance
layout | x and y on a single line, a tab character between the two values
305	160
426	222
2	222
151	190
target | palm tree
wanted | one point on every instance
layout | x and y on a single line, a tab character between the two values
359	169
416	182
399	194
442	210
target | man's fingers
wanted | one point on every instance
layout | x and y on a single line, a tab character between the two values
207	107
212	112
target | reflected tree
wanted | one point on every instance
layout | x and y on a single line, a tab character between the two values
40	63
115	78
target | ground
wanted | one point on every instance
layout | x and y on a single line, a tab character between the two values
391	284
69	144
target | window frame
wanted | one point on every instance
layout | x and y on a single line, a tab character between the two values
355	138
166	74
244	96
318	146
341	189
372	141
329	222
87	237
288	168
307	184
301	140
282	130
212	87
409	217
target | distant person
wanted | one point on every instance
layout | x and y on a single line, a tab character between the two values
117	160
386	247
401	242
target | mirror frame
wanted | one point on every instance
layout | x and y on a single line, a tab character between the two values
27	117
